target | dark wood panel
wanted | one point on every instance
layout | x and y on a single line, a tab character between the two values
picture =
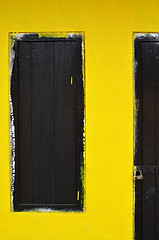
24	140
156	65
138	138
42	122
80	118
65	123
148	144
148	88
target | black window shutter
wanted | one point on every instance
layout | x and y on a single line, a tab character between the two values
147	136
48	104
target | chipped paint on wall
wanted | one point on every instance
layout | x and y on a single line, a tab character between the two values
12	140
12	126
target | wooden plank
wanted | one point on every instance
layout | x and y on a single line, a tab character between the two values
156	57
80	117
148	146
42	122
24	137
65	123
138	139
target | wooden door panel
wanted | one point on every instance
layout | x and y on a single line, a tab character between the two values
65	122
24	125
148	138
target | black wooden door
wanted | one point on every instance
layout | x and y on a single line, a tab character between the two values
47	92
147	138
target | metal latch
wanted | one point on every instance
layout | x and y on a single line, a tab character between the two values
138	175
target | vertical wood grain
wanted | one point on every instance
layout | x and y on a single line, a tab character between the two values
65	124
149	139
42	122
25	134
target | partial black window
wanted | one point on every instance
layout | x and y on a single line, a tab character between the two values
48	106
147	137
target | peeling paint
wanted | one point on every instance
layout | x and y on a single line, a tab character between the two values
12	126
139	35
146	35
12	140
155	35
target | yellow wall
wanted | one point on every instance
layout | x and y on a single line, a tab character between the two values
108	27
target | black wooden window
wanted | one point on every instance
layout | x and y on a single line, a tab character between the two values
48	106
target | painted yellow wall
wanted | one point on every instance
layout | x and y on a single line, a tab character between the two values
108	27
